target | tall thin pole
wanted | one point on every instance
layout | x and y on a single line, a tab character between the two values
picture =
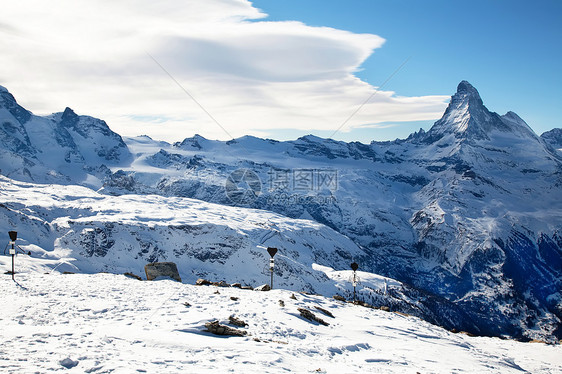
354	285
272	252
271	270
13	267
13	237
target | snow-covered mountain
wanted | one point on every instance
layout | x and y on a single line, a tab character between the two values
63	147
469	211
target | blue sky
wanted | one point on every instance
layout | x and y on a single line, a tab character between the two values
511	51
280	68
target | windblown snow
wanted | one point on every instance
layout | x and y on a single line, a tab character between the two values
102	323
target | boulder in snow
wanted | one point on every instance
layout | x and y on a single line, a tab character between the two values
263	287
68	363
215	328
202	282
162	269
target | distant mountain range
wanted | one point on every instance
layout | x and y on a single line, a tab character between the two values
467	215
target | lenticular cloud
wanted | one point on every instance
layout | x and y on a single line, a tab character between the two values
252	75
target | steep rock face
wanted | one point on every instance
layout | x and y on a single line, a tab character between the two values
16	151
94	138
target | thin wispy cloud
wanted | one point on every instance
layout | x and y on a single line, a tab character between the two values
253	75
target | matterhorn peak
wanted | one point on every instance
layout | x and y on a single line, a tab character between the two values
467	97
467	118
466	88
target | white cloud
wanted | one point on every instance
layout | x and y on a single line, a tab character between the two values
252	75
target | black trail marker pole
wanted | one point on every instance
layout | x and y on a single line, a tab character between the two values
354	267
272	252
13	238
13	250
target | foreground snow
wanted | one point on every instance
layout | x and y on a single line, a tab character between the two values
103	323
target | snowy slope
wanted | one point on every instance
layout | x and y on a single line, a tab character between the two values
72	228
123	233
103	323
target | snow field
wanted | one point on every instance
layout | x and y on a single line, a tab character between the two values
100	323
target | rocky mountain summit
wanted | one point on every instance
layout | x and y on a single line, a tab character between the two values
61	148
